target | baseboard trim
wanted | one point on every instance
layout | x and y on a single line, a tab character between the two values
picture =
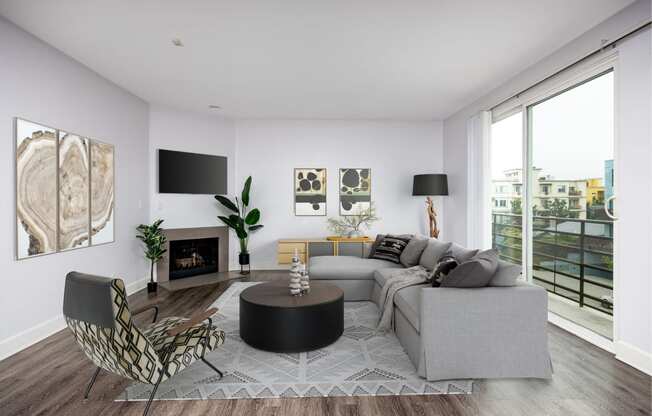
634	356
581	332
39	332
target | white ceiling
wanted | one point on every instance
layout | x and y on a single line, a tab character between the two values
328	59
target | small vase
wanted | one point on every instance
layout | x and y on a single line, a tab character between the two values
354	234
243	259
152	287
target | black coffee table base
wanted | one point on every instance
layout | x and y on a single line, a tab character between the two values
291	329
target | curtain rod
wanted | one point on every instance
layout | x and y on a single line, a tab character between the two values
611	44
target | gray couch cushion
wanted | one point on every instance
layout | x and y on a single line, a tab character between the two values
506	274
345	267
433	251
412	253
476	272
408	301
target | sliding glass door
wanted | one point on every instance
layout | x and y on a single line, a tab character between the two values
571	139
552	170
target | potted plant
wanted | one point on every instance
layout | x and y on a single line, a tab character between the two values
350	225
154	240
243	221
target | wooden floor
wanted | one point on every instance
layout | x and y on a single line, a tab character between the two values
49	379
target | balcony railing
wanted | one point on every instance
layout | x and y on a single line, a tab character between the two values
572	258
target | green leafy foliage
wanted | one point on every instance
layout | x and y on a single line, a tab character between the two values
243	222
154	242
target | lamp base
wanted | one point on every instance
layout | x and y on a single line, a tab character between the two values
432	218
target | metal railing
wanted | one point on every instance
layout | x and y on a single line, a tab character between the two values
571	257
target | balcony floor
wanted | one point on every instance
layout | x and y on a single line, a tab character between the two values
598	322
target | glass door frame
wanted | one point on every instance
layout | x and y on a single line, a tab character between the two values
563	82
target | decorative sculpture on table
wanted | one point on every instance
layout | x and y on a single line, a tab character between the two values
295	275
305	280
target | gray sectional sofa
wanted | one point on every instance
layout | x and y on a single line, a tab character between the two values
453	333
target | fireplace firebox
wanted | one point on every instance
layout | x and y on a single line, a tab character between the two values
193	257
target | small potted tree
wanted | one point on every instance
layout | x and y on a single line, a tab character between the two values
243	221
154	241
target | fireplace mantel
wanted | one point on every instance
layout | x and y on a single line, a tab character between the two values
172	234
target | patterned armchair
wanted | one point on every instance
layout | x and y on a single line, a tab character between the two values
98	315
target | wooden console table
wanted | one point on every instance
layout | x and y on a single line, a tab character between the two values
329	246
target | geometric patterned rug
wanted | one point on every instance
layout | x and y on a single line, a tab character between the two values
360	363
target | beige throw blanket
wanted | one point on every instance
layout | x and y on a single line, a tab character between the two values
400	279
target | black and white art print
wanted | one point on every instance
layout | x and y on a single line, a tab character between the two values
355	190
310	191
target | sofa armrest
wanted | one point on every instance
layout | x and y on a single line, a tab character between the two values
485	332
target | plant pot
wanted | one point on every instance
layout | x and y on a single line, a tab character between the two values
354	234
243	259
152	287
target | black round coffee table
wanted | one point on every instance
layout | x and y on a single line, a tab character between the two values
273	320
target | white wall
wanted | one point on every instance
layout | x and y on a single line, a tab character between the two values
395	151
188	132
39	83
633	293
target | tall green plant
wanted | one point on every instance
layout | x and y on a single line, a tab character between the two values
154	240
243	221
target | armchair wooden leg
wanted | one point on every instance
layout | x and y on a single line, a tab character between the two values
151	396
90	384
212	366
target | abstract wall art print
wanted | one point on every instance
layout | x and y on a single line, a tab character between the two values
36	189
102	193
355	190
74	191
310	191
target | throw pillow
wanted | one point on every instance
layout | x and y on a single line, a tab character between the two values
476	272
412	253
372	250
443	268
506	274
433	252
391	247
462	254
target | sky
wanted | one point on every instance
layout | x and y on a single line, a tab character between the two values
572	133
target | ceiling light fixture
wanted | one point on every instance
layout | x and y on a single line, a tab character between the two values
214	107
177	42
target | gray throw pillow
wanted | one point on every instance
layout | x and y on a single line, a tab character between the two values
462	254
412	253
433	252
476	272
506	274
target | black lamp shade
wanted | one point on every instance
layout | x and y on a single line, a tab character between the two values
432	184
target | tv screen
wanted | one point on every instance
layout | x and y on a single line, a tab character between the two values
191	173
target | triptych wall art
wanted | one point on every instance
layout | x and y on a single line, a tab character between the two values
64	190
310	191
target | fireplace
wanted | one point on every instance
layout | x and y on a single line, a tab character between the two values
193	257
192	252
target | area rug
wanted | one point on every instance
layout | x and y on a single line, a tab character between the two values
360	363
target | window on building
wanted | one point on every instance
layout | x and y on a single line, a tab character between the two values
561	189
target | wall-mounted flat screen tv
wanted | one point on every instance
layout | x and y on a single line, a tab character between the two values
191	173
